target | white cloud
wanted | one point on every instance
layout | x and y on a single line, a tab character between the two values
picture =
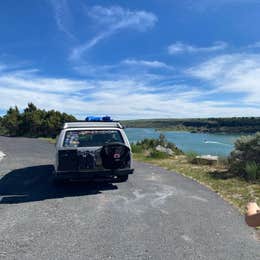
122	98
111	20
205	5
146	63
117	17
254	45
62	16
236	73
127	68
123	105
106	21
29	79
179	47
2	67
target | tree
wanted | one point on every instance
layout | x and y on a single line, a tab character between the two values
33	122
11	121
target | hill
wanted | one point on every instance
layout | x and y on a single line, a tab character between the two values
210	125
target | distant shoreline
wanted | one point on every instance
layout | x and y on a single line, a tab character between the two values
241	126
194	132
202	132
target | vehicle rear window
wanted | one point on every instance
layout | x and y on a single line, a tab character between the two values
88	138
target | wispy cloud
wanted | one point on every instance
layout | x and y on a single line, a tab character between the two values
204	5
62	16
179	47
236	73
146	63
111	20
127	68
31	80
255	45
122	98
117	17
2	67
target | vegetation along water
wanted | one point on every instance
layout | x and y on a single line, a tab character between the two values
202	143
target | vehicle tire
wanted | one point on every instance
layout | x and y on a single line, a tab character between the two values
122	178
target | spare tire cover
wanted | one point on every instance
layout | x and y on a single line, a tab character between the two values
115	156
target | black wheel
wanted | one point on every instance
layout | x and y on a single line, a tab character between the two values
122	178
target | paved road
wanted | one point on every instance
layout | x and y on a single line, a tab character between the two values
155	215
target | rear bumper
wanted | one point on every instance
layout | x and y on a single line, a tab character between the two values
65	175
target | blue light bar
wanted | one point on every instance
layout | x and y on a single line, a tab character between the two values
99	119
107	119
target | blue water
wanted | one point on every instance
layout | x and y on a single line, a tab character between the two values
213	144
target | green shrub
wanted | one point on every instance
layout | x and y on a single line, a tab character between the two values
158	155
251	171
148	147
136	148
151	144
223	161
191	156
246	156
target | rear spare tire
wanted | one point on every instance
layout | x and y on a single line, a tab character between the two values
115	156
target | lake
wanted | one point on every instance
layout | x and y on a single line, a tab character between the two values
202	143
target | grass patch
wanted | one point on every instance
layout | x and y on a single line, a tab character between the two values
191	156
48	139
158	155
136	148
232	188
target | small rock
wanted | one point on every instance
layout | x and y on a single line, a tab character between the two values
206	159
164	150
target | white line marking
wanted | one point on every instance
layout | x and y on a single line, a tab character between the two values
197	198
2	155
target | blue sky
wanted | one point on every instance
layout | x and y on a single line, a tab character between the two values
132	59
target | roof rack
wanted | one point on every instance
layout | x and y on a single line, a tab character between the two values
84	124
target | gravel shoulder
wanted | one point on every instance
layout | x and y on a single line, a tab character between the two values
155	215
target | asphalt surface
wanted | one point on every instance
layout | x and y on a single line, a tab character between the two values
157	214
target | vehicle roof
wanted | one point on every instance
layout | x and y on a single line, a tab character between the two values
72	125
